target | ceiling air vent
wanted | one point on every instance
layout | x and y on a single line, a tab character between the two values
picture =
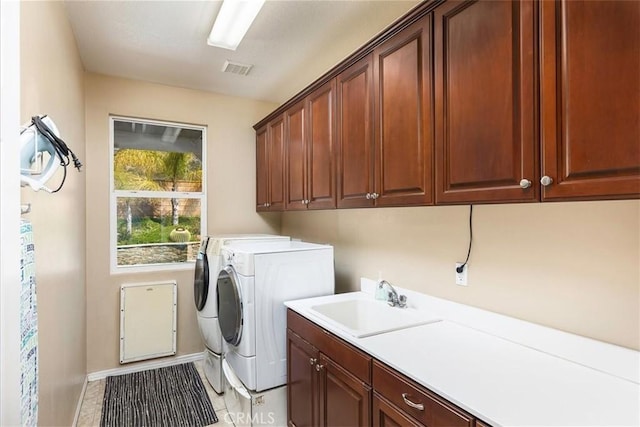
236	68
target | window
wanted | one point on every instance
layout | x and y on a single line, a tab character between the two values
158	197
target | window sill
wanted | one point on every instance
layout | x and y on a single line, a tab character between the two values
152	268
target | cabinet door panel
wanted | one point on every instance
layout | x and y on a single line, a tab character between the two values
344	400
404	144
321	187
591	99
296	167
354	122
385	414
302	387
262	170
485	116
276	164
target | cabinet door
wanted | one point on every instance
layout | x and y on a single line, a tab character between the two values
262	170
385	414
403	112
485	102
590	106
354	121
344	400
302	387
321	188
296	168
276	165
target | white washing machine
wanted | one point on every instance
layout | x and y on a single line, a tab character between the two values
208	265
252	288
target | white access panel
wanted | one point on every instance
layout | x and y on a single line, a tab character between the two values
147	320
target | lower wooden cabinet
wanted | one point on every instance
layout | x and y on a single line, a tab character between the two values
322	391
415	401
332	383
386	414
344	400
302	382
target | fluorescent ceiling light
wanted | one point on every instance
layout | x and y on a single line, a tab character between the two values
233	22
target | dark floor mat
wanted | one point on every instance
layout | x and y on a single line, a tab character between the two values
171	396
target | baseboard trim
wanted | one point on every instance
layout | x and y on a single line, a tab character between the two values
80	400
154	364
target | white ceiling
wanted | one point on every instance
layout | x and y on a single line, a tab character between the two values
290	44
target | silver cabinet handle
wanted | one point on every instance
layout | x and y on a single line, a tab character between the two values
418	406
525	183
319	367
375	196
312	361
546	180
368	196
306	202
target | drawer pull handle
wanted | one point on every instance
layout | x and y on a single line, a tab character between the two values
418	406
312	361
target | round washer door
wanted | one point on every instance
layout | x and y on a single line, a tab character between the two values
229	306
201	281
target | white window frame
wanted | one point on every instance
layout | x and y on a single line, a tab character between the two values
114	194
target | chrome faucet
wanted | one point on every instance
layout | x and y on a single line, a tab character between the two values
393	299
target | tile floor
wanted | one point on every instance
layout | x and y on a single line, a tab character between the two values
91	408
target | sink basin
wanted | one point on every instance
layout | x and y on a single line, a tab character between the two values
363	317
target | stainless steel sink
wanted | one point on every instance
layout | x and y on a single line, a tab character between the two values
365	317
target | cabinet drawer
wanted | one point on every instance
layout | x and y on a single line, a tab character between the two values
349	357
433	411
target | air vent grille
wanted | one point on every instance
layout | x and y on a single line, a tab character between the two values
236	68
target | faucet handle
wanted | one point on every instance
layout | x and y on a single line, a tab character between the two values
402	301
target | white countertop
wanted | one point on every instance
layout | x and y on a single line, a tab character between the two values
499	381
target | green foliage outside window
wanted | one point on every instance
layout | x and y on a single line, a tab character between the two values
147	170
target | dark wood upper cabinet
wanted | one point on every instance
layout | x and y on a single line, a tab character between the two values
404	117
310	164
590	99
295	157
262	169
485	102
321	184
354	122
270	166
463	102
276	164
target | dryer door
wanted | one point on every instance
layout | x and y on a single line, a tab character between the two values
229	306
201	278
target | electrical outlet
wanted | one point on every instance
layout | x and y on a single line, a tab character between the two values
461	278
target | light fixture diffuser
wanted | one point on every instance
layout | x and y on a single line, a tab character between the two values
233	22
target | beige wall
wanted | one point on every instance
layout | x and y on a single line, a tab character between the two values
571	266
52	83
230	185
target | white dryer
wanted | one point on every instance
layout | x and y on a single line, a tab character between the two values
252	289
208	265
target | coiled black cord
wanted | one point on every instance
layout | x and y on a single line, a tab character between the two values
460	268
61	148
